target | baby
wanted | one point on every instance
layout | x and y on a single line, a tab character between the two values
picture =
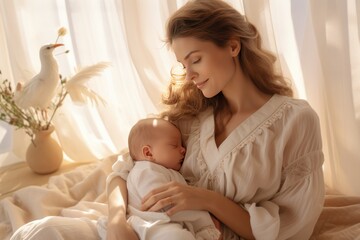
156	148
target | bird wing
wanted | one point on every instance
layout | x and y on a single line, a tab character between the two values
25	92
35	93
75	85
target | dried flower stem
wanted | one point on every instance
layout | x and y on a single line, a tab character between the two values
62	96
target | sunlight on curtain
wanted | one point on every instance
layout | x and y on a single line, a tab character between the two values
317	43
336	49
353	9
318	47
129	34
98	31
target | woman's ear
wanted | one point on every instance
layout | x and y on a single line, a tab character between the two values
235	47
146	151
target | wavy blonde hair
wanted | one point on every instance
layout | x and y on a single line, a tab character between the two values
218	22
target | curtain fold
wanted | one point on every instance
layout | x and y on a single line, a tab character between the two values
337	50
317	44
318	48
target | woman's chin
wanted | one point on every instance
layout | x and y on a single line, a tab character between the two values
208	94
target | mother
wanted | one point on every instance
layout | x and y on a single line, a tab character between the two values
254	154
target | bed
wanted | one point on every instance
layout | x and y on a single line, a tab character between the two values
78	189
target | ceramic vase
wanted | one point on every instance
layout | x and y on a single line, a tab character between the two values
44	155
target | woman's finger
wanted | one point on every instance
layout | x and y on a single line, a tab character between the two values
165	203
158	198
172	197
174	208
155	202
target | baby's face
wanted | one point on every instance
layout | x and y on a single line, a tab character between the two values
167	149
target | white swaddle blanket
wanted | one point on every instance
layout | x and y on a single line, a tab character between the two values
143	176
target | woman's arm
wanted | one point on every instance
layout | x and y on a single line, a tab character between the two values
230	214
117	227
178	197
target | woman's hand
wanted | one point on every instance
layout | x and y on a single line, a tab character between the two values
118	228
176	197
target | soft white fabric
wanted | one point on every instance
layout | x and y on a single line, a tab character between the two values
142	178
121	167
67	208
58	228
78	198
270	165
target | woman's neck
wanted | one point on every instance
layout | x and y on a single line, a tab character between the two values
242	98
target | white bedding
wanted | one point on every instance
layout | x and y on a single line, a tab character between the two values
81	193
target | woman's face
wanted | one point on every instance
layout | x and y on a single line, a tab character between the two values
208	66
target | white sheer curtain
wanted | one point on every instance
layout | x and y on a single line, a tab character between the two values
126	33
317	42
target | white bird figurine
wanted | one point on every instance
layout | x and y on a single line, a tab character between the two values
41	89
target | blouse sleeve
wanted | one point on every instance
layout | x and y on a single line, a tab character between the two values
293	211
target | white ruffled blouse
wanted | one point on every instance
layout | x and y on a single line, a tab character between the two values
271	165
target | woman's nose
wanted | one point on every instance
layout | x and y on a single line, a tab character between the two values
190	75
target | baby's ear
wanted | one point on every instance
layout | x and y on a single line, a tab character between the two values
146	151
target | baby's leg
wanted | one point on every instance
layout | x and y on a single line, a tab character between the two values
57	228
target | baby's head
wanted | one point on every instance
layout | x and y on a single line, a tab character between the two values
156	140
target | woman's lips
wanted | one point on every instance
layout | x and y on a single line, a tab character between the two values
200	84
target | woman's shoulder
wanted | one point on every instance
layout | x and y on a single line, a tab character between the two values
288	114
301	109
291	107
301	126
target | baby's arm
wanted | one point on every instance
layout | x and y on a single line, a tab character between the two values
145	178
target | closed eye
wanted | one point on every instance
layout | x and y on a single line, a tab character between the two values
196	61
173	145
